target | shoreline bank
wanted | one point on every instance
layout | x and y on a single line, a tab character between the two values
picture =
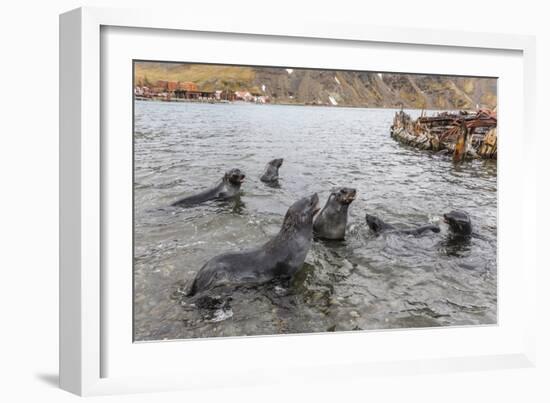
226	102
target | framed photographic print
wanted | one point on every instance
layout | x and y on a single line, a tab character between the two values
323	198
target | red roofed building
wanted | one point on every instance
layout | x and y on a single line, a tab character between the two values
162	84
188	86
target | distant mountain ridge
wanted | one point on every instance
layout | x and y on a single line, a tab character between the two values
344	88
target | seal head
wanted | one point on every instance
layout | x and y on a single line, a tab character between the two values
280	257
332	220
234	177
459	222
271	172
376	224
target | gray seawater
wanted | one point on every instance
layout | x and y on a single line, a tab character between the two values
366	282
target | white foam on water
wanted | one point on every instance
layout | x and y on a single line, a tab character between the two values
222	314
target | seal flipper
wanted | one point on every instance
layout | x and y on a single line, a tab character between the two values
192	289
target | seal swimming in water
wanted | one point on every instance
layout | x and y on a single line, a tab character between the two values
271	172
331	222
228	187
378	226
280	257
459	222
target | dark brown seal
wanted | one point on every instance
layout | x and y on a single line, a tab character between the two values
332	221
280	257
271	172
227	188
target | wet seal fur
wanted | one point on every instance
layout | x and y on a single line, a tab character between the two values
280	257
459	222
227	188
271	172
331	222
378	226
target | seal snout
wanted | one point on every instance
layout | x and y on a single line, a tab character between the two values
350	195
235	176
344	195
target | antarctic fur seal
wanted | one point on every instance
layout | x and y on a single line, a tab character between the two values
331	222
271	172
378	226
280	257
459	222
227	188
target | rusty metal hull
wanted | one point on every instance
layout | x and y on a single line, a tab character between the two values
464	135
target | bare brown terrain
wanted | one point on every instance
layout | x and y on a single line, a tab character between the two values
344	88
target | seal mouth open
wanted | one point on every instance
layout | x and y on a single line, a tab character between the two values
350	198
241	179
348	195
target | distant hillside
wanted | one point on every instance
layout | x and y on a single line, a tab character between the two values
345	88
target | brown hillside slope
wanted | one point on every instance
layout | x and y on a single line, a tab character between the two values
347	88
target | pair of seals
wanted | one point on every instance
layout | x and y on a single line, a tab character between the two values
227	188
331	222
378	226
271	171
281	256
230	185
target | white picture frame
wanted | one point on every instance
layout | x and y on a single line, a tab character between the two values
85	343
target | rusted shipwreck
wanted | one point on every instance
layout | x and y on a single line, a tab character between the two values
463	134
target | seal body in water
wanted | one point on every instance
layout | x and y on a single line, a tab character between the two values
280	257
331	222
459	222
228	187
271	172
378	226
